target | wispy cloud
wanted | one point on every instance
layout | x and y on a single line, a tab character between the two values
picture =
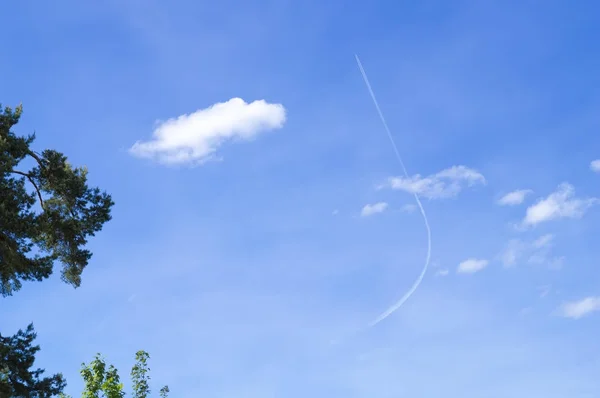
514	198
369	209
556	263
531	252
445	184
442	272
408	208
559	204
194	138
543	241
525	311
511	253
471	266
581	308
540	253
595	165
544	290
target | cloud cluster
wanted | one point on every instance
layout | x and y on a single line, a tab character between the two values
369	210
514	198
581	308
447	183
560	204
194	138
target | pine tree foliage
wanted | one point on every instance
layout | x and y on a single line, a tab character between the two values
17	379
47	212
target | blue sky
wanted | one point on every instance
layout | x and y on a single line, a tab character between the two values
237	273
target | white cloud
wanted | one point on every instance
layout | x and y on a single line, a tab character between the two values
559	204
442	272
514	198
525	311
535	252
409	208
512	252
581	308
447	183
556	263
595	165
195	138
543	241
544	290
471	265
369	210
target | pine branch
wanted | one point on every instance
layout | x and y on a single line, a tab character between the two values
37	189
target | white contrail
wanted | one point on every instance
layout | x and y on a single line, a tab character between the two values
415	285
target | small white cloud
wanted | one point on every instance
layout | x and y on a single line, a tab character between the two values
195	138
538	258
541	257
595	165
513	251
525	311
514	198
445	184
559	204
442	272
369	210
544	290
543	241
409	208
471	265
556	263
535	252
581	308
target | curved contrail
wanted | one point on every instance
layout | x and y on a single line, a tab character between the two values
415	285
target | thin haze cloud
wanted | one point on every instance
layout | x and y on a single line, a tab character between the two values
408	208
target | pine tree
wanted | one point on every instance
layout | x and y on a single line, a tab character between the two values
33	238
47	213
17	354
